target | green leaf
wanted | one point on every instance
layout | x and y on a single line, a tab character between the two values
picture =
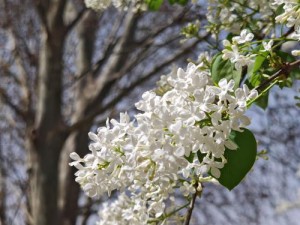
154	5
240	161
255	79
279	10
190	158
259	60
254	75
224	69
263	101
201	156
286	57
180	2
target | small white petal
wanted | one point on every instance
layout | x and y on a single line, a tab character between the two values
74	156
215	172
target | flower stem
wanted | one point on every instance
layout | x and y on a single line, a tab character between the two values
192	205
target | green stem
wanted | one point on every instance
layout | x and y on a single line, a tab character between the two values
261	94
165	216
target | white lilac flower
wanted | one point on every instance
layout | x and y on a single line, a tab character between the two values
124	211
239	60
296	52
148	156
268	45
244	37
291	14
234	51
187	189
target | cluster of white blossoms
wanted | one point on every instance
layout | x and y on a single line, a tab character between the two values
124	210
226	15
133	210
233	52
99	5
148	156
290	17
291	14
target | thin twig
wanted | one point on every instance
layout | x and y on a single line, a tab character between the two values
285	71
192	205
76	20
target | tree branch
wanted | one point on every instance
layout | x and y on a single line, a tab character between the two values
108	50
284	71
17	110
72	24
126	91
41	7
192	205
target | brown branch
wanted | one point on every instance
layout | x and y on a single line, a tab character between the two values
72	24
41	11
108	50
87	211
192	205
141	57
290	31
6	99
284	71
148	40
143	44
18	39
110	44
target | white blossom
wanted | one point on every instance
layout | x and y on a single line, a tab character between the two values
268	45
296	52
291	14
244	37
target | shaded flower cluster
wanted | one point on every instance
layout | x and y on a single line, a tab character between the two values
149	155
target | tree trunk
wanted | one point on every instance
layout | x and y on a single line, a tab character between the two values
48	134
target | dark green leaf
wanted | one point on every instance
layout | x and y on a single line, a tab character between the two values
286	57
154	4
279	10
262	101
180	2
240	161
224	69
200	156
190	158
